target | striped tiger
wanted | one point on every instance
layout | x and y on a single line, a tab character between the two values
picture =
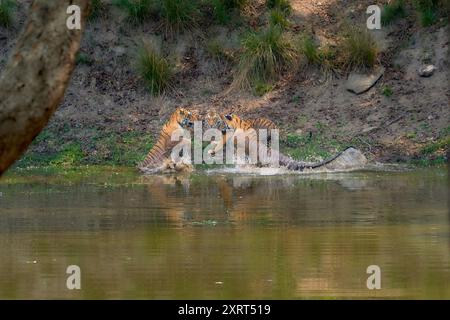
158	159
262	123
242	126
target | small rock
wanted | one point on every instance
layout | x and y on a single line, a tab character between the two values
427	70
360	83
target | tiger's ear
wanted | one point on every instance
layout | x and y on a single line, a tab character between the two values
228	116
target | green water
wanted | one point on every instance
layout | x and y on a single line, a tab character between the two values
224	235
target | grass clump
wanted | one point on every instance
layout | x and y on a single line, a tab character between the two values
392	11
310	49
6	9
154	69
323	57
178	14
278	18
359	49
223	8
283	5
428	10
387	91
137	10
263	56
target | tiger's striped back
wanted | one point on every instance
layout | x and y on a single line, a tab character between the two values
262	123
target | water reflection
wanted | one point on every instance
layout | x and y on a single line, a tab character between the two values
225	236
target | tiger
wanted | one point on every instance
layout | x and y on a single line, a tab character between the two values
158	159
245	127
240	126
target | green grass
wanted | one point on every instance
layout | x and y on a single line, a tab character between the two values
69	156
311	148
136	10
56	149
440	145
359	49
309	49
98	9
434	152
427	17
387	91
178	15
83	58
261	88
323	57
278	18
154	69
283	5
223	9
6	12
428	10
264	54
393	10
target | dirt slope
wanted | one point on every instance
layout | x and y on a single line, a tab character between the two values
108	117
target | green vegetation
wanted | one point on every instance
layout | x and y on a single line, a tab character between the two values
283	5
428	11
263	55
83	58
323	57
103	147
98	8
6	9
387	91
309	49
392	11
137	10
178	14
261	88
223	8
278	18
313	146
359	49
434	152
154	69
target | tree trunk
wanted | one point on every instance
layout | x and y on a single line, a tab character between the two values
33	82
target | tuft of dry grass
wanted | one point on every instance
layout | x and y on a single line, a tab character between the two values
358	48
154	69
264	54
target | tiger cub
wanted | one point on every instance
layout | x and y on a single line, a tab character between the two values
158	159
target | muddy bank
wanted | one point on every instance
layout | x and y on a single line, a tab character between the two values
108	117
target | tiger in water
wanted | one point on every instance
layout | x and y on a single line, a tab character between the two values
159	157
249	129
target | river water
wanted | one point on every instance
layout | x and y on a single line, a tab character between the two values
224	235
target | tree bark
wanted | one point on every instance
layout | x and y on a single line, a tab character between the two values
33	82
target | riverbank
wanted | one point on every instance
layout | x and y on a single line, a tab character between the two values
109	117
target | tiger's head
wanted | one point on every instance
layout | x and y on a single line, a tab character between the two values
186	118
214	120
233	121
